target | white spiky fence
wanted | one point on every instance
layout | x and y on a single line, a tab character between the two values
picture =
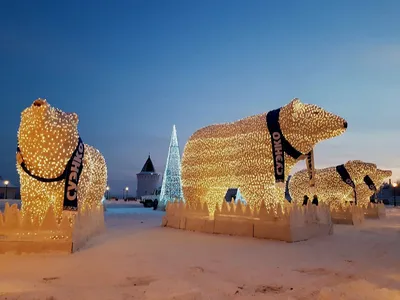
356	214
347	214
288	223
24	234
375	211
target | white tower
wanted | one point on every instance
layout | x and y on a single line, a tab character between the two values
147	179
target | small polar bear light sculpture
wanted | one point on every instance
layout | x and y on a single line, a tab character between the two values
253	154
55	167
333	185
370	185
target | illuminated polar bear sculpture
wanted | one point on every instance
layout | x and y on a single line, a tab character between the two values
330	183
369	186
247	154
55	167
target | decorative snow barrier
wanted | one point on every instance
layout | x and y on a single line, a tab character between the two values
347	214
290	223
24	234
375	211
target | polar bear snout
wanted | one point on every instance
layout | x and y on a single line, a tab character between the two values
345	124
39	102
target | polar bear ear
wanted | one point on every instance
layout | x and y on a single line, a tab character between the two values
295	104
349	162
74	117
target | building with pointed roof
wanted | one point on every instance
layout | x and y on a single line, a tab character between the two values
147	180
148	166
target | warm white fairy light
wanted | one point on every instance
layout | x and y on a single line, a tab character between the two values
239	154
47	137
364	193
329	186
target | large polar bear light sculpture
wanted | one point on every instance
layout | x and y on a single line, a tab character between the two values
55	167
333	185
253	153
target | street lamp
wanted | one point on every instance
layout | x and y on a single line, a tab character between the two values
394	193
108	193
6	183
126	190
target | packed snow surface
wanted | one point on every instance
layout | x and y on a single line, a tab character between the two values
137	259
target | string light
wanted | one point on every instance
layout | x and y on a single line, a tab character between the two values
47	137
171	188
364	193
239	154
329	186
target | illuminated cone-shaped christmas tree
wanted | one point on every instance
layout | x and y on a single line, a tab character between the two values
171	189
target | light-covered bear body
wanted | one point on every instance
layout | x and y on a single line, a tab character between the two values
47	138
329	185
239	154
364	192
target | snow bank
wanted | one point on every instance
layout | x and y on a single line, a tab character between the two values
138	259
356	290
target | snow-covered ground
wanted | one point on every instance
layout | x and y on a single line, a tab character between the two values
137	259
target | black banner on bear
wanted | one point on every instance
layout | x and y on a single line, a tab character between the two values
280	145
344	174
311	167
371	185
73	173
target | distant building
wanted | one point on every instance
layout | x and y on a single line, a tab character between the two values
147	180
388	194
7	191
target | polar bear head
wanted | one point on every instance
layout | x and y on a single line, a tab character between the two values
365	191
47	137
359	169
379	176
304	125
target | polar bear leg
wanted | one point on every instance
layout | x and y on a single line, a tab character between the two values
194	195
254	195
34	201
215	196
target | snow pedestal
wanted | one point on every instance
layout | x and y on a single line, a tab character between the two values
162	205
375	211
348	214
290	223
25	234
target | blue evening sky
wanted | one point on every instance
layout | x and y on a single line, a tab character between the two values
132	69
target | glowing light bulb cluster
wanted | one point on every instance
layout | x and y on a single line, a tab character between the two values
47	137
239	154
171	189
364	193
329	186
